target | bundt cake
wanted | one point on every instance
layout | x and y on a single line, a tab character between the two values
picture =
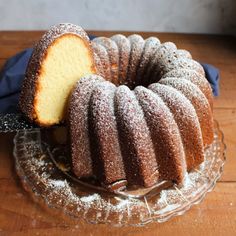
140	110
147	119
59	59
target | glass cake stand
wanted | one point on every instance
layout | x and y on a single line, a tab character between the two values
45	173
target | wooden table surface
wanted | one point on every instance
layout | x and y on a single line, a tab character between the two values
216	215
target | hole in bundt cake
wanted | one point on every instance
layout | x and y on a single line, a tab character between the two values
133	61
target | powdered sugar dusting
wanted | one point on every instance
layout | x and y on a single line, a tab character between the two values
160	52
183	53
137	44
78	123
58	183
101	52
185	116
104	126
165	135
182	63
141	163
151	44
113	52
194	95
190	90
99	64
195	78
124	54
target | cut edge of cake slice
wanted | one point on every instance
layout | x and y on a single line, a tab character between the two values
61	57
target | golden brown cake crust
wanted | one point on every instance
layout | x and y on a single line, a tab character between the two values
79	125
30	86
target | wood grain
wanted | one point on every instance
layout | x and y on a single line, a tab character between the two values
227	120
216	215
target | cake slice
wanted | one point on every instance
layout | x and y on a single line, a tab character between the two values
59	60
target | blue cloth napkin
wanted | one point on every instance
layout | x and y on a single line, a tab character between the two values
13	73
213	77
11	78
